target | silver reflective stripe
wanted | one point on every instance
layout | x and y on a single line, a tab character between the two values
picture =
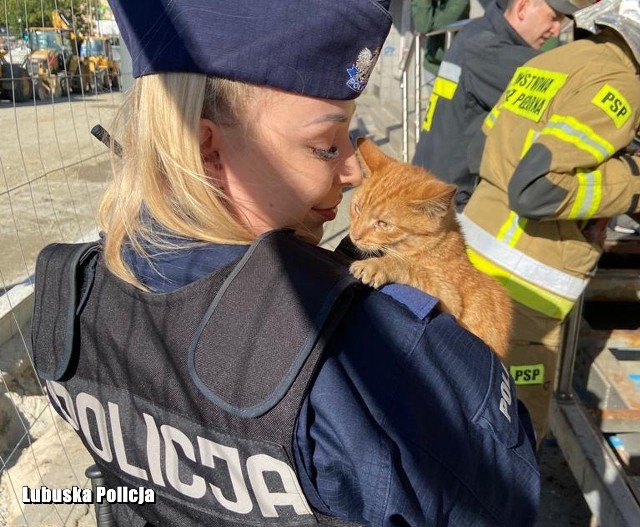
514	226
450	71
588	195
491	117
519	263
580	137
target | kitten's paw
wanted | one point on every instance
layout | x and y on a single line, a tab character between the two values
369	272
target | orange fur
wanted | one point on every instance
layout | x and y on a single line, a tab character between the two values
406	214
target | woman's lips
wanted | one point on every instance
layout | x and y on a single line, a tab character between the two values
328	214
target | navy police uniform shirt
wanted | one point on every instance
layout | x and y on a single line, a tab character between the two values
411	419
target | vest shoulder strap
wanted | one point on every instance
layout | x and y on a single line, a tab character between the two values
64	276
282	301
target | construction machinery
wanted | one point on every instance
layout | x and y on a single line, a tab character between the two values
54	62
97	54
15	81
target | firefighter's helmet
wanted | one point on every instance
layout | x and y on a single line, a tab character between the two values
623	16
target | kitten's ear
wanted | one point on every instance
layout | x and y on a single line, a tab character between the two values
438	205
371	155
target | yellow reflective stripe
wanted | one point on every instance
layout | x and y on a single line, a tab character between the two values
512	229
522	291
572	131
491	117
428	117
444	88
524	374
530	270
589	195
528	141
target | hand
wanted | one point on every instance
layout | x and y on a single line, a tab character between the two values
635	216
596	230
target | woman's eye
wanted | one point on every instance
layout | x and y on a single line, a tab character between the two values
328	153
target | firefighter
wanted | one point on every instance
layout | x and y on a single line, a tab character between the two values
553	168
208	351
475	72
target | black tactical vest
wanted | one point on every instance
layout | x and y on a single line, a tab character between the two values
193	393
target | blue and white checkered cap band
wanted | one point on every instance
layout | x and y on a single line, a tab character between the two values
319	48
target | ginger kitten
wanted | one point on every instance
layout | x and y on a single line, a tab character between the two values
406	214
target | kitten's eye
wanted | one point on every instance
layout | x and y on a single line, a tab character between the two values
356	209
327	154
383	225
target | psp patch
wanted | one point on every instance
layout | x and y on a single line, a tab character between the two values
527	374
614	104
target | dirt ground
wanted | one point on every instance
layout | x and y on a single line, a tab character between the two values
52	173
561	502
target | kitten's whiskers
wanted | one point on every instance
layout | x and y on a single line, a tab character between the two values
390	250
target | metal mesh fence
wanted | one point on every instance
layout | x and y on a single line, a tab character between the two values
52	174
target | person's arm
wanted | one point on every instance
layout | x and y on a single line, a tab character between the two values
405	424
575	169
422	14
490	65
449	11
429	15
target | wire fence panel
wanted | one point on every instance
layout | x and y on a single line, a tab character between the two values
52	175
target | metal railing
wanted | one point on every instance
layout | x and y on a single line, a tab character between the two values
414	60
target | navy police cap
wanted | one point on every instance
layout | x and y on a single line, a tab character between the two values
319	48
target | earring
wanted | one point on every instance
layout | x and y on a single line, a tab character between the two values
217	165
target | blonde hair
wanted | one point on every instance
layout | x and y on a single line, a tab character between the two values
160	178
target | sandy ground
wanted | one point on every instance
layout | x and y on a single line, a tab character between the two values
52	174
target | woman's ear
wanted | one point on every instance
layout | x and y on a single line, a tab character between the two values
210	144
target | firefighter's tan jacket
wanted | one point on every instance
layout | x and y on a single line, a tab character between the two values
553	161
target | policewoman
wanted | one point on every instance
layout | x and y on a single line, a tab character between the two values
209	350
553	169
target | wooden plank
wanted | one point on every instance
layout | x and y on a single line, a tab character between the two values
599	475
614	285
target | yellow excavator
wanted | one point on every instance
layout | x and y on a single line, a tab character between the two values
15	81
54	61
97	55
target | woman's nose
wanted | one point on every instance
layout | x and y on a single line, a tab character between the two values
350	172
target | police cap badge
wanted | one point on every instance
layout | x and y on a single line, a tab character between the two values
319	48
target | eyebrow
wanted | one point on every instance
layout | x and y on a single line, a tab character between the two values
328	118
